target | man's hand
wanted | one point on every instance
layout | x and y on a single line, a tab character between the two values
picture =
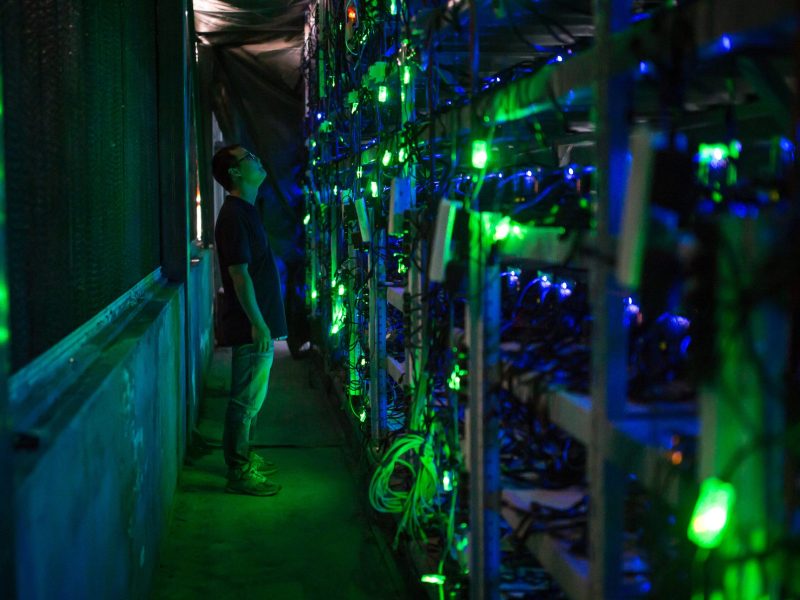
261	337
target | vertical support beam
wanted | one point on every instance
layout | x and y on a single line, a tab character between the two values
354	353
608	373
173	138
173	158
204	127
484	454
484	449
377	333
324	242
7	546
312	253
415	318
743	413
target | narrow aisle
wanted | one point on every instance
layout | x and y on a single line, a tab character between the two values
311	541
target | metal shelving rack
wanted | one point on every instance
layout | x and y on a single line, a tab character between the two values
622	439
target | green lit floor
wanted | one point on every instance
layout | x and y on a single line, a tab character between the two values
311	541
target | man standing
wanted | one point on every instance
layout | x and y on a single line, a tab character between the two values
251	316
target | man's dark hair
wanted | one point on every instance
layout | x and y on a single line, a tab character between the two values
223	161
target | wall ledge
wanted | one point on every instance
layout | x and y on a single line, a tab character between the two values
44	394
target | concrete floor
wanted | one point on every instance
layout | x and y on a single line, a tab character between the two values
311	541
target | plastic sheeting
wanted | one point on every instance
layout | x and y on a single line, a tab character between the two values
250	76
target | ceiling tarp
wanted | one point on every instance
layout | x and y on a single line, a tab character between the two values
250	75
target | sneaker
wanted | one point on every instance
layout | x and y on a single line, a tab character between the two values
262	465
251	483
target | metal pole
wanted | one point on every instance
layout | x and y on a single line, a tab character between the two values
7	546
377	338
609	382
743	410
484	321
353	380
484	450
173	153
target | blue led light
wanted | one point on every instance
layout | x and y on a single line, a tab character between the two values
739	210
529	173
319	116
680	322
559	58
726	42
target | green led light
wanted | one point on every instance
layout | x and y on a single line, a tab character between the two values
480	153
393	8
355	107
359	172
718	156
306	219
433	578
710	516
335	190
362	416
719	152
502	230
383	93
402	155
338	319
447	482
454	381
363	361
387	158
373	187
314	294
342	289
406	75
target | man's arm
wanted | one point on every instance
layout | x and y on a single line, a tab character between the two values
246	294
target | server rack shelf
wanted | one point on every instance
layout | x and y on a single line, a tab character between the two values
625	441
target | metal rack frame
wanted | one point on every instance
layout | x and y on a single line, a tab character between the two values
621	439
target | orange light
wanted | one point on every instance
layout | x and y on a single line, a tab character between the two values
352	15
677	457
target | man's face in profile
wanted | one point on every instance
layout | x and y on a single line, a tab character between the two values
250	168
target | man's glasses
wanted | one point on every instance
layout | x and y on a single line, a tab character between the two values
247	154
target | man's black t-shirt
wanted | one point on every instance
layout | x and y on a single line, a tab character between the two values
241	239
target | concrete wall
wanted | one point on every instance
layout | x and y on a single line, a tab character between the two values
93	501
